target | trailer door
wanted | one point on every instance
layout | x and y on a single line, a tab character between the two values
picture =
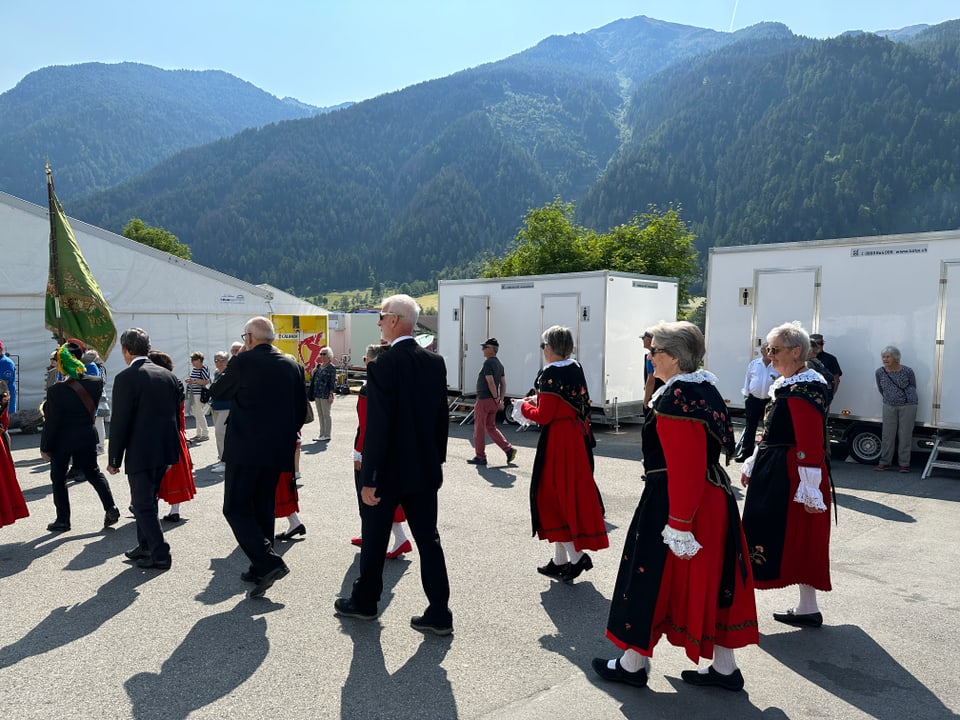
946	384
474	329
784	295
562	309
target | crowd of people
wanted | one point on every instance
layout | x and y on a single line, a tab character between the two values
690	564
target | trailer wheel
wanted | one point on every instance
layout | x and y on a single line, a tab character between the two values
864	444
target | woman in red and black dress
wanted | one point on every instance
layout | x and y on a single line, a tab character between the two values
565	505
685	573
178	484
401	543
786	515
12	505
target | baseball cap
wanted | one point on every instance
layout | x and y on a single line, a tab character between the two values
491	342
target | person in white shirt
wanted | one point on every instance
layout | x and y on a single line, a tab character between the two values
756	392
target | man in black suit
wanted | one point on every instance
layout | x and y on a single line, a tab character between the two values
269	405
403	450
143	427
69	432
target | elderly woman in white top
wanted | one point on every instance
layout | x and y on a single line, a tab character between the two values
898	387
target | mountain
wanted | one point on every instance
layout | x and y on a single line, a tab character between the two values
102	124
410	184
760	136
794	141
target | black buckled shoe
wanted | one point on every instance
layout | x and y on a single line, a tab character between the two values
574	570
813	620
711	678
618	674
346	607
551	569
58	526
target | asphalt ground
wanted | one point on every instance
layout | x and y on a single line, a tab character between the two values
83	634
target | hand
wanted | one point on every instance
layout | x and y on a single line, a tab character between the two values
369	496
744	479
112	470
813	511
45	456
356	464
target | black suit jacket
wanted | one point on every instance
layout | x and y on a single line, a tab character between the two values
144	417
67	424
269	406
407	421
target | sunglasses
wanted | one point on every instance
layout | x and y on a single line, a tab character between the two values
773	349
384	314
655	350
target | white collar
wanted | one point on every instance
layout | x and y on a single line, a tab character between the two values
401	339
559	363
807	375
697	376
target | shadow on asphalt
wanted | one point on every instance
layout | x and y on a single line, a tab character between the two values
218	655
418	689
869	507
835	658
64	625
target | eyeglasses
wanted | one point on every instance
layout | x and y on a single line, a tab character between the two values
655	350
542	345
773	349
384	314
244	337
818	343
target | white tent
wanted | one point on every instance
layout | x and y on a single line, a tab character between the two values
183	306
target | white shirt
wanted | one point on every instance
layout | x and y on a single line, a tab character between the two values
758	379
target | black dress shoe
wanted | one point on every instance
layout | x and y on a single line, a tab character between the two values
347	607
249	576
813	620
551	569
171	517
111	517
427	625
290	534
574	570
136	553
618	674
267	581
711	678
477	461
148	563
58	526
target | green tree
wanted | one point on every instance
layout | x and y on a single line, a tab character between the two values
155	237
549	242
653	243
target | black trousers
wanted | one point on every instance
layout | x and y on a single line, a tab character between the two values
144	486
753	411
249	501
86	461
376	523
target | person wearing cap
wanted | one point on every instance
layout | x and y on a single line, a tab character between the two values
829	361
8	372
491	393
69	432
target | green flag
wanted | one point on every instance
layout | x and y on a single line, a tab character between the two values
75	307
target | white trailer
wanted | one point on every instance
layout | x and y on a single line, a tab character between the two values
606	311
862	294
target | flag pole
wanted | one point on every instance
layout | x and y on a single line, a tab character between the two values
54	258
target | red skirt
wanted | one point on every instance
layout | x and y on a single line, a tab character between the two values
177	485
12	505
288	499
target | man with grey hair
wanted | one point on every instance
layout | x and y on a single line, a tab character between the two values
405	446
236	348
220	410
268	407
144	427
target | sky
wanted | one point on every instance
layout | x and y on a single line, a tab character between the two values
325	52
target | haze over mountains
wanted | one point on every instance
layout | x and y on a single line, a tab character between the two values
760	136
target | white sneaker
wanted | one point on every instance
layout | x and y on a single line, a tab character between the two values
323	438
218	468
